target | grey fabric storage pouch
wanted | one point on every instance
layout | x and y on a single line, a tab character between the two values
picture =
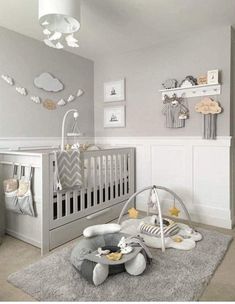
24	194
10	189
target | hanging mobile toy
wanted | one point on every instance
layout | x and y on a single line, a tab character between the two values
174	211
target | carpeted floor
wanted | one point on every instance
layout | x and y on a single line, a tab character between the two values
173	276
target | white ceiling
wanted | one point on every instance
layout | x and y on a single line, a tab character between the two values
109	26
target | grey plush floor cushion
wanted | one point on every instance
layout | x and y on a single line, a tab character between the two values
173	276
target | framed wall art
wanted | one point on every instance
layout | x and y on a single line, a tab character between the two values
114	91
114	117
213	77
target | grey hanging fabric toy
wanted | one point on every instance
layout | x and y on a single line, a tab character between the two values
209	108
176	111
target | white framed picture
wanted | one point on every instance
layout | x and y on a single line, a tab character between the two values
213	77
114	91
114	117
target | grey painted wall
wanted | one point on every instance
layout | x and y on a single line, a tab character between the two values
24	58
146	69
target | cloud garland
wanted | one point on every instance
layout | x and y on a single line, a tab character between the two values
37	99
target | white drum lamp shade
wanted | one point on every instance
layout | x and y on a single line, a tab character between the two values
61	16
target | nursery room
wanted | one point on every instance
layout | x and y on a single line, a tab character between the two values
117	164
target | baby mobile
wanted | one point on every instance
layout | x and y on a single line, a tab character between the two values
152	204
48	83
209	108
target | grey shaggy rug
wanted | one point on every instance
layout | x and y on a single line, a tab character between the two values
173	276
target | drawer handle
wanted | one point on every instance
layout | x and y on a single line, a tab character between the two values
94	215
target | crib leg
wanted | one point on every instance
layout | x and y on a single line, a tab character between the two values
46	194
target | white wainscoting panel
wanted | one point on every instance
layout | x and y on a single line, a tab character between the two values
198	170
19	143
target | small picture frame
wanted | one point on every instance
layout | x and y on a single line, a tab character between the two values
213	77
114	117
114	91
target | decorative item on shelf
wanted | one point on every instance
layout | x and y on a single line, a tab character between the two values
59	20
170	84
189	81
48	83
21	91
8	79
209	108
61	102
213	77
114	117
114	91
49	104
202	80
176	111
35	99
80	92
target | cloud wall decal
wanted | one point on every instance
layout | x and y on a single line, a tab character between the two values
48	83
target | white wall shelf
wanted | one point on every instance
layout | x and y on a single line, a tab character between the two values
194	91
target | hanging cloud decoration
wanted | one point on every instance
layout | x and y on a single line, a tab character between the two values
36	99
21	91
61	102
80	92
71	98
8	79
48	83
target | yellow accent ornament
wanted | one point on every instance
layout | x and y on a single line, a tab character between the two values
177	239
174	211
114	256
133	213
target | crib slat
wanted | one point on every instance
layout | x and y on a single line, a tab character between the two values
82	199
75	200
111	177
94	181
59	205
116	176
67	203
100	174
106	177
125	173
89	183
128	172
121	174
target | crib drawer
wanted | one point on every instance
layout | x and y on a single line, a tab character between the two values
74	229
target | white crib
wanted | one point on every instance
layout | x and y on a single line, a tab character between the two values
109	180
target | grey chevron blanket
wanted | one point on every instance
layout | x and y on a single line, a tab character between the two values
68	169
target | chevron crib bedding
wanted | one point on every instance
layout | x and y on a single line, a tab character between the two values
68	169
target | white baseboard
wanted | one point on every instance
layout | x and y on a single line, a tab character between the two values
23	238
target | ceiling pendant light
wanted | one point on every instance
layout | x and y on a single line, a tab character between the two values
60	20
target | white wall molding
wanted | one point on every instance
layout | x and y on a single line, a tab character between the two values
197	170
162	140
21	142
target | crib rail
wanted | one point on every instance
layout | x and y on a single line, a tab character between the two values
108	180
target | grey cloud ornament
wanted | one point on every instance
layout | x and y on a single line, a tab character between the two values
48	83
